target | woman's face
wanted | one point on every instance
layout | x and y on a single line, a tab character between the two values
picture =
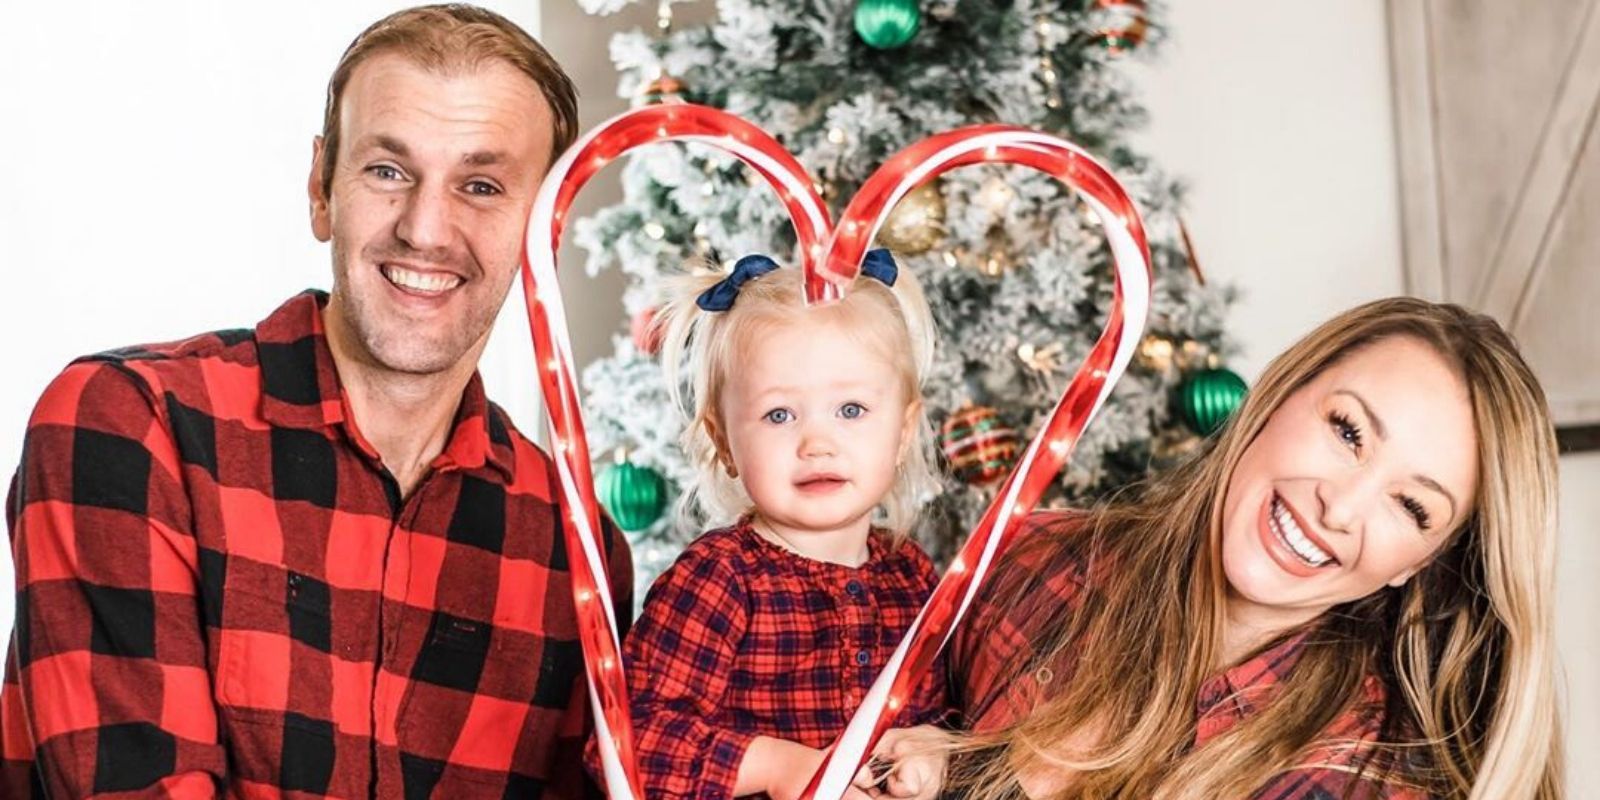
1355	482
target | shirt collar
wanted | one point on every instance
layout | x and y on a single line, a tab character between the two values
1241	690
300	388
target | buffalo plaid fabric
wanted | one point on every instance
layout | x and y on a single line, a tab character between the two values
998	635
742	638
221	590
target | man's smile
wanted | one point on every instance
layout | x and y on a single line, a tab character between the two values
427	283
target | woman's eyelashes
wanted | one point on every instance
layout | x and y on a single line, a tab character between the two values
1346	429
1350	434
1415	509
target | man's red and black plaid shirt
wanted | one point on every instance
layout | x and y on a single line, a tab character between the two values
221	590
1019	599
742	638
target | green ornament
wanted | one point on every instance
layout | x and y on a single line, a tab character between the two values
634	496
1208	397
887	24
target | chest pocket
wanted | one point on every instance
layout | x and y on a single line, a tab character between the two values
274	636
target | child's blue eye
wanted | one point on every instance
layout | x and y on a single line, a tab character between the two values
778	416
852	410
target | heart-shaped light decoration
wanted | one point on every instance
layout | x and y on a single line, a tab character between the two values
831	257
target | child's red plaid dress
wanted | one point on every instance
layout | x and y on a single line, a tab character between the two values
741	638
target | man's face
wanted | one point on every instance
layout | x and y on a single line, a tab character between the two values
431	190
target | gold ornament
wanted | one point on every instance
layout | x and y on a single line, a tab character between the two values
1156	352
917	223
1192	355
1043	360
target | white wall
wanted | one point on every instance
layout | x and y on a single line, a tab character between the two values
1278	117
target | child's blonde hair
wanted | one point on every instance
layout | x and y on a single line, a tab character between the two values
894	321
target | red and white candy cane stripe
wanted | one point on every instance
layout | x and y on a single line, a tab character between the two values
917	164
597	624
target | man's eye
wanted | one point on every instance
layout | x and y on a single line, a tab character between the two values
384	172
482	189
778	416
852	410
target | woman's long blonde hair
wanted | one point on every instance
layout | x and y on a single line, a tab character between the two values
699	348
1465	647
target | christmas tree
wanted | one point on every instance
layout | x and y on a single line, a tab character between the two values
1017	273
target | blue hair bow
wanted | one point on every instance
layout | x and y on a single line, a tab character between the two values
878	264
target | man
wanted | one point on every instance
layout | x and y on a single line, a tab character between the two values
312	557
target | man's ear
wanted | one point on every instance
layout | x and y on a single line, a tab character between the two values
321	222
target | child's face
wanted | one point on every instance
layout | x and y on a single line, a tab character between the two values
815	423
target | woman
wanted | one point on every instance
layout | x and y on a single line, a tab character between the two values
1347	594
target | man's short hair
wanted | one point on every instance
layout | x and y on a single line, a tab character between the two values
449	37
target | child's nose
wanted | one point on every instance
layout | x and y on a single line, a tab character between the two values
815	442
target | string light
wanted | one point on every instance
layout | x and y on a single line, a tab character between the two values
1047	68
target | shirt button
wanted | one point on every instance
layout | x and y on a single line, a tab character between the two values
854	588
862	657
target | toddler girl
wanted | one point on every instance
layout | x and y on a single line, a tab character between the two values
807	430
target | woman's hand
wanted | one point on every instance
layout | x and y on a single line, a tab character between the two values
916	760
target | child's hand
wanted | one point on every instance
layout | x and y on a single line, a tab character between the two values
785	769
915	761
